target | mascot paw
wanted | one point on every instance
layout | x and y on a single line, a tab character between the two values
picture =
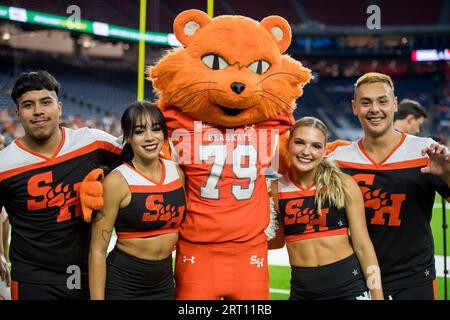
91	193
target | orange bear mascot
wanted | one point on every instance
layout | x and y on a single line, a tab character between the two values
228	97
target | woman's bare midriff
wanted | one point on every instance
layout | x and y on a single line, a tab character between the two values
318	252
152	248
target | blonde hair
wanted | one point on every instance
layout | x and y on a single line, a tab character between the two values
329	178
373	77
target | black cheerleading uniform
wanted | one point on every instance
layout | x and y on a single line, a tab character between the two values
342	279
154	209
49	239
399	203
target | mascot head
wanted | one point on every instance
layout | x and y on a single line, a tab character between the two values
231	71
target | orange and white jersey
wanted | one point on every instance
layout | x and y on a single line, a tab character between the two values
41	197
227	198
156	207
398	202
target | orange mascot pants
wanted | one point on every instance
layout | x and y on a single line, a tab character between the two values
236	271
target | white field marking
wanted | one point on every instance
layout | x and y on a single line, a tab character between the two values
279	291
439	264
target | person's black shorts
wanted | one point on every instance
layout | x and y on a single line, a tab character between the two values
423	292
43	291
342	280
129	277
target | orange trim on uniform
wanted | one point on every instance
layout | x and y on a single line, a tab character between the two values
63	140
71	155
361	147
291	179
61	144
320	234
14	290
144	234
163	175
296	194
158	188
434	290
408	164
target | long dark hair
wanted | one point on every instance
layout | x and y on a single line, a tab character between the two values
136	111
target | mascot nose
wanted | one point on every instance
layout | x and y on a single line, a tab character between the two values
237	87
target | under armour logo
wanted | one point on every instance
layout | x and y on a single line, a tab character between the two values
259	262
186	259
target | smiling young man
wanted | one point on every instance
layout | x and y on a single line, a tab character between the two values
399	175
40	177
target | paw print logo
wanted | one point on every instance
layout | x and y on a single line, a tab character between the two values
167	213
58	196
305	216
374	199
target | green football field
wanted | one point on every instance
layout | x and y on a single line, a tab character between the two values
280	276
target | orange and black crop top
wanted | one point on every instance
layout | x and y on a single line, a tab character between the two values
155	208
301	219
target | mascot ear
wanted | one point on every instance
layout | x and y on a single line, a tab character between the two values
279	28
187	23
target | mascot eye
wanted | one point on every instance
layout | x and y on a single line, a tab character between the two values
259	66
215	62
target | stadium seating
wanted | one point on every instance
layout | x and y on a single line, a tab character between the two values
317	11
94	93
328	98
81	93
404	12
162	13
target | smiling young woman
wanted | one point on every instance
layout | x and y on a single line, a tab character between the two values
144	201
317	204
